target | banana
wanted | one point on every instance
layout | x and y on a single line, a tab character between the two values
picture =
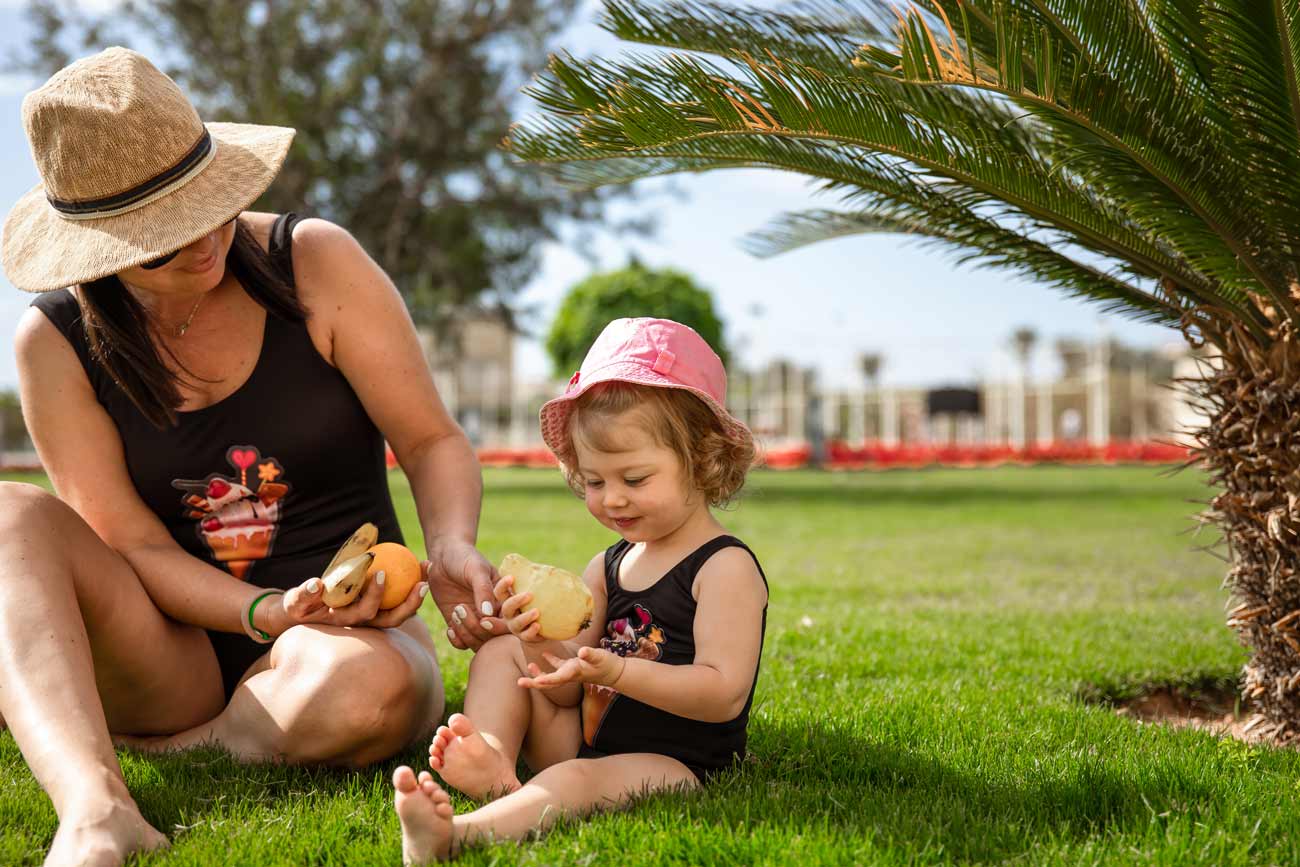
344	582
342	585
361	541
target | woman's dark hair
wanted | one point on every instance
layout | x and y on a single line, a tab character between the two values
118	328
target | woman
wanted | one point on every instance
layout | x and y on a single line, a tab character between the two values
211	404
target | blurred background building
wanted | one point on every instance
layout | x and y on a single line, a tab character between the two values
1104	391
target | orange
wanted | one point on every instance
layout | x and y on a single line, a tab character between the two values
401	572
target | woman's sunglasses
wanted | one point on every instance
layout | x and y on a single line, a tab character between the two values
154	264
160	261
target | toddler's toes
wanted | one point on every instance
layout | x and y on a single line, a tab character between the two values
425	812
404	780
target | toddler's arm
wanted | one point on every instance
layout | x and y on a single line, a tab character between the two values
522	621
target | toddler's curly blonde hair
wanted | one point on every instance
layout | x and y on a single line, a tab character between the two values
714	463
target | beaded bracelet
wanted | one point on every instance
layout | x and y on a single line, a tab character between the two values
247	619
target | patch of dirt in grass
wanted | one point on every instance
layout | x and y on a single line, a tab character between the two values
1219	713
1214	706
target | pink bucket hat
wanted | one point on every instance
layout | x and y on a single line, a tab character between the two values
645	351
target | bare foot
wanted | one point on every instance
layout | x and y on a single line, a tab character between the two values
425	812
469	763
102	834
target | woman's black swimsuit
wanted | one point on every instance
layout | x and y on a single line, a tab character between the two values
266	483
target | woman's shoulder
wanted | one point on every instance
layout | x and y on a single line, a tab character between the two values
58	304
311	235
327	260
328	266
51	343
50	315
259	223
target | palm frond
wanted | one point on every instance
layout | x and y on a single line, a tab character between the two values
1182	33
977	241
1169	159
820	35
1254	80
692	104
1161	137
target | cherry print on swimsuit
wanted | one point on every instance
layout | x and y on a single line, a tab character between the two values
236	522
640	640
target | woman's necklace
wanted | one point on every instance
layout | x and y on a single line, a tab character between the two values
180	331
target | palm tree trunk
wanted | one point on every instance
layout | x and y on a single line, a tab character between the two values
1251	447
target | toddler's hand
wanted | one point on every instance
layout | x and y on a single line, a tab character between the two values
591	665
523	623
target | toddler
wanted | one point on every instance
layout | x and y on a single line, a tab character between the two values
655	693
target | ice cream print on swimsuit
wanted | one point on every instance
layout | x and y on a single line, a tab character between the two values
635	636
237	522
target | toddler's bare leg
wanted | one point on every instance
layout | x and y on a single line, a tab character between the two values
476	752
568	789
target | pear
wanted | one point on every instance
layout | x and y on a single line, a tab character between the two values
561	597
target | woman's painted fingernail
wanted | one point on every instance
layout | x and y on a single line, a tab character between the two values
423	591
312	586
459	613
487	608
489	625
451	635
379	577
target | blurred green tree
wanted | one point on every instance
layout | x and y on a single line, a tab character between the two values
399	106
632	291
13	431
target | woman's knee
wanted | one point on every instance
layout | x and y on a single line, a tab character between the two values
354	702
39	529
29	508
32	518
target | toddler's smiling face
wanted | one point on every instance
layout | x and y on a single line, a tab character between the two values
638	489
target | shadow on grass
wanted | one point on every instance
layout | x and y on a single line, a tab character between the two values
798	782
1208	687
917	803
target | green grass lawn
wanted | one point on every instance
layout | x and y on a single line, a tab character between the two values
928	636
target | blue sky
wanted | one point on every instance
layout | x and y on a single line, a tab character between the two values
933	321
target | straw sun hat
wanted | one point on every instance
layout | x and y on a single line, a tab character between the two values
129	172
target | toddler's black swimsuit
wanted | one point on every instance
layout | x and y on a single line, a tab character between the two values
658	623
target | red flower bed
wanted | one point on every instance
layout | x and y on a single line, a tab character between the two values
878	456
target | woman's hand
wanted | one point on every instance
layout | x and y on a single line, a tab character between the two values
461	580
302	604
524	623
591	665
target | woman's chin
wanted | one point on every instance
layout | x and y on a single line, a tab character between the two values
206	281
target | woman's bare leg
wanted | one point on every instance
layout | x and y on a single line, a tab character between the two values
327	695
570	789
83	649
476	752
